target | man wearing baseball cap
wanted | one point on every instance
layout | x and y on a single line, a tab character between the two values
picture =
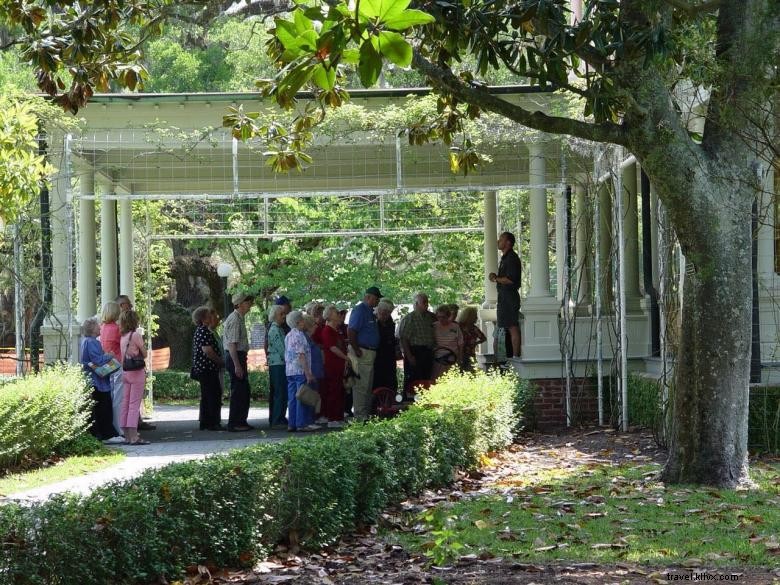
363	335
236	349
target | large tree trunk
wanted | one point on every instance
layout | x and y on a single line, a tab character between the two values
708	443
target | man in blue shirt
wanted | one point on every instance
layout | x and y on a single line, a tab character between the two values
363	336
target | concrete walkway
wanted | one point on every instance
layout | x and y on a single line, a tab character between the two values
176	438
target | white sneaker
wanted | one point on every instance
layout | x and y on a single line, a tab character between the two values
335	424
115	440
322	420
311	427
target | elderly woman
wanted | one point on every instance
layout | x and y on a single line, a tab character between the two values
297	363
131	345
91	357
385	374
276	367
335	350
449	342
206	365
472	337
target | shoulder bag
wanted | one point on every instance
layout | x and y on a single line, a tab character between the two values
132	363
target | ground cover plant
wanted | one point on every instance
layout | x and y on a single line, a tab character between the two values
42	415
232	509
540	505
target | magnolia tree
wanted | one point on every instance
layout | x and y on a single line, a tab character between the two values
634	64
628	61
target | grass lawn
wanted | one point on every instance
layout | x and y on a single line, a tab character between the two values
64	469
606	513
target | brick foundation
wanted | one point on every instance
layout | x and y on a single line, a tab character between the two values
549	405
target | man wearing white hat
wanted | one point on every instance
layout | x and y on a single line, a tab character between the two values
236	348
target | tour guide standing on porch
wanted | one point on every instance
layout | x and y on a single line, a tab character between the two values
363	340
508	287
236	348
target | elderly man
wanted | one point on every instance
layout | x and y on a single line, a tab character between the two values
417	341
236	347
508	286
363	336
285	307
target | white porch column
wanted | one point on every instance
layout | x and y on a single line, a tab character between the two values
539	328
87	249
487	314
631	234
60	338
769	314
539	256
490	250
582	241
654	237
60	245
560	243
108	282
605	245
126	247
766	227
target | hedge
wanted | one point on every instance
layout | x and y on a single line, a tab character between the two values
645	409
42	413
232	509
177	385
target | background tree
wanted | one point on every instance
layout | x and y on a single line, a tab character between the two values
636	71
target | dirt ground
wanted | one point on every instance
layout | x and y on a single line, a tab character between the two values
363	558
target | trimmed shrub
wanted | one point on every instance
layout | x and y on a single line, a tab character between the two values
177	385
644	401
231	509
764	419
41	413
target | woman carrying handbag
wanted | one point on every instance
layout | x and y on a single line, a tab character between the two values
133	377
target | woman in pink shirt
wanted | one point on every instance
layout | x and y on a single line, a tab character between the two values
109	341
132	345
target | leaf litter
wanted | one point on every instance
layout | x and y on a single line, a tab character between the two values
365	557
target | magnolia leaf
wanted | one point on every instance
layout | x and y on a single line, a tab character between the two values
370	64
325	78
408	19
351	56
381	9
393	46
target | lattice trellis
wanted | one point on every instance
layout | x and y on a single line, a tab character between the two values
216	187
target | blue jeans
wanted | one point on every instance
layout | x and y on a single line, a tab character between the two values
298	415
278	389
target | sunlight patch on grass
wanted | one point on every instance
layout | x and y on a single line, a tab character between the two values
611	513
67	468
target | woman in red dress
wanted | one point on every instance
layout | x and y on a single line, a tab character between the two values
335	350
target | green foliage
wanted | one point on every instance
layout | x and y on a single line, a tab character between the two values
81	46
41	414
764	419
645	406
23	168
232	509
83	444
175	385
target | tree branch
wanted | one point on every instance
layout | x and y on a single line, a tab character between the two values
694	9
446	80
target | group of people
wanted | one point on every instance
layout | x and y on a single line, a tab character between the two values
314	347
342	361
118	390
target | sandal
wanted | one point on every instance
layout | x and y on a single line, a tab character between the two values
139	442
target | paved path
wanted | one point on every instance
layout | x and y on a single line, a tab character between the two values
176	438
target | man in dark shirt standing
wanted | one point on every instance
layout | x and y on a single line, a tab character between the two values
508	286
